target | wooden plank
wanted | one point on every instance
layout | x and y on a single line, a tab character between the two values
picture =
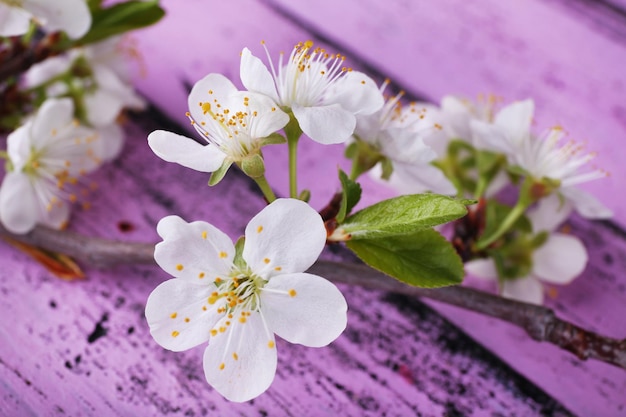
537	49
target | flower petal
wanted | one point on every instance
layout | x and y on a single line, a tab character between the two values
197	252
19	206
241	362
179	314
561	259
71	16
14	21
549	213
185	151
527	289
212	88
491	137
325	124
411	179
304	308
53	114
484	268
110	142
586	204
286	236
356	93
255	76
515	120
44	71
103	107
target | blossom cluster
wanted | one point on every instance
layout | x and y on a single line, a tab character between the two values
66	122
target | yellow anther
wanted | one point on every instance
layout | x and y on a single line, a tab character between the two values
242	319
278	268
210	91
292	293
206	107
223	254
222	329
213	332
201	275
259	229
179	267
204	234
266	260
175	333
235	356
204	308
270	344
73	198
218	280
187	319
308	44
222	366
173	315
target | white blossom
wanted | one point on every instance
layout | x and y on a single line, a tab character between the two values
233	123
47	156
238	306
323	95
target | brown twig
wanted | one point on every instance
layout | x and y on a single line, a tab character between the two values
539	322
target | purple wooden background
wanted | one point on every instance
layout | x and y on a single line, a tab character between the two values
84	349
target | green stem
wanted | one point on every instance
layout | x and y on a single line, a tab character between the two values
293	166
504	227
265	188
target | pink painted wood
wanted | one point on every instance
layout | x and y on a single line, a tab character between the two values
84	348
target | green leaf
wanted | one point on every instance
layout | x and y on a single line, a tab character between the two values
351	195
402	215
218	175
121	18
422	259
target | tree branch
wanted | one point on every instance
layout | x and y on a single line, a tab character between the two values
539	322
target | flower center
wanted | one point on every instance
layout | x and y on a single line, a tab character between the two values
240	293
308	74
229	129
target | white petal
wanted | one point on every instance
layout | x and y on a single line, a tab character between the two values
103	107
412	179
44	71
14	21
212	87
491	137
286	236
515	120
71	16
549	213
179	314
185	151
356	93
52	115
19	145
198	251
110	142
253	370
527	289
56	216
255	76
325	124
405	146
19	206
560	259
484	268
304	308
586	204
